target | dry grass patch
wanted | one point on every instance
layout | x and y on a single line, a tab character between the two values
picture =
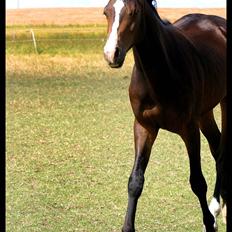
73	16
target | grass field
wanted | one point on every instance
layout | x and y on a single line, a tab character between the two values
70	141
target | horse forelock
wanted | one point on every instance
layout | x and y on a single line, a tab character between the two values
135	5
132	6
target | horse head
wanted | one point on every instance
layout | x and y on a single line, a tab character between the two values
125	28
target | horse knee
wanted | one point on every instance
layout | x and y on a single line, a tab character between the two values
198	185
135	185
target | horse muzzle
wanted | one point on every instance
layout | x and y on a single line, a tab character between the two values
116	58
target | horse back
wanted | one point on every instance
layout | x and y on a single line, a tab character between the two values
205	31
208	34
200	21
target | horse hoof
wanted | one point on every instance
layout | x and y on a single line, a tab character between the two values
214	230
128	230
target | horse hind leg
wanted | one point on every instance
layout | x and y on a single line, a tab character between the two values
191	137
224	167
210	130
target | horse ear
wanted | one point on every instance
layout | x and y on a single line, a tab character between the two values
152	3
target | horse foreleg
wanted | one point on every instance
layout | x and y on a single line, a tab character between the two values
143	144
191	137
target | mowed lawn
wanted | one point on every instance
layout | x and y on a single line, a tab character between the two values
70	143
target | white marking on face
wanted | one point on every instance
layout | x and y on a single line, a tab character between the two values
111	43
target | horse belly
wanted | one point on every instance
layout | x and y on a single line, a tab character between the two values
213	94
166	119
214	80
211	46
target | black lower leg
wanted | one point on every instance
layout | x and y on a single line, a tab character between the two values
217	188
143	144
135	184
135	187
229	215
199	187
191	137
210	130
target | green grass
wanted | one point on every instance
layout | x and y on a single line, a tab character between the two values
70	148
55	40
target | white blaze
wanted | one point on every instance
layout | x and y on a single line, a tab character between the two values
111	43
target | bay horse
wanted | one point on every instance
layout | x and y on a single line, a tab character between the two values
179	76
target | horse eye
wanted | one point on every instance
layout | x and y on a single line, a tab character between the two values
132	13
106	13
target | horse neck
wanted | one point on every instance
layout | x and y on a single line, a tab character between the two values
153	51
163	58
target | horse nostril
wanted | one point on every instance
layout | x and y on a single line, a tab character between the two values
117	52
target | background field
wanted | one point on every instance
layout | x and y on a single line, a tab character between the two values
73	16
70	139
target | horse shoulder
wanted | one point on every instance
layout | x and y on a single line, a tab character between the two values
138	91
147	110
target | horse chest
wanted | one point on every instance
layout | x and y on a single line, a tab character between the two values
152	114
